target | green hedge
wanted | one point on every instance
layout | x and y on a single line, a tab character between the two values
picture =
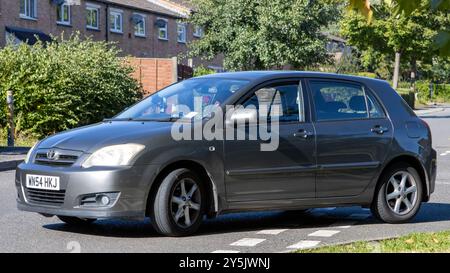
408	96
441	91
64	84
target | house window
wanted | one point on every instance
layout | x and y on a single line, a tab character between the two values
63	14
116	20
28	9
198	31
139	24
162	30
181	32
92	16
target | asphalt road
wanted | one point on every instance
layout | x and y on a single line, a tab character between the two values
243	232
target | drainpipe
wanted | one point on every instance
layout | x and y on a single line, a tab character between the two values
10	116
107	22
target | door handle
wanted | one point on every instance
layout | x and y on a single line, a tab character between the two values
379	129
303	133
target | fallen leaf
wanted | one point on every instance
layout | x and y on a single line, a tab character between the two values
409	241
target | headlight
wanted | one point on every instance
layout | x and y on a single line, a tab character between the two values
115	155
27	158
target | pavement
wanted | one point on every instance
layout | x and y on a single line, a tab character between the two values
276	231
10	157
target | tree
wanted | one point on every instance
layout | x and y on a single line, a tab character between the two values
441	40
263	34
391	33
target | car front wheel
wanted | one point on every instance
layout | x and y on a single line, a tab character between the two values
399	195
178	206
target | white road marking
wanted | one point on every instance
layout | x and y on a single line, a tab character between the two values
445	153
225	251
304	244
343	224
247	242
324	233
271	231
358	216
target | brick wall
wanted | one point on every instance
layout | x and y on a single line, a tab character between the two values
154	73
145	47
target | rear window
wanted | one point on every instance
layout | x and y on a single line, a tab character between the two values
335	100
338	100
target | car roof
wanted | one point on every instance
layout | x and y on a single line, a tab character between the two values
269	75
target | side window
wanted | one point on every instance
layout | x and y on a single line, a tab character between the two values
288	97
375	109
338	100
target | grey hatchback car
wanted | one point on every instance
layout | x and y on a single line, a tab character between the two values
339	141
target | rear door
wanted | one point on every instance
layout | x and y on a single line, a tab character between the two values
353	136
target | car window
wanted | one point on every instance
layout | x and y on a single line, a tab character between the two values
338	100
375	109
183	98
288	97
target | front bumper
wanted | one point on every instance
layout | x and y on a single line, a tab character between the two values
129	184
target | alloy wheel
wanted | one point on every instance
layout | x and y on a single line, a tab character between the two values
401	193
186	202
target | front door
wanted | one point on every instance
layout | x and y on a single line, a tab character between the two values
353	136
286	172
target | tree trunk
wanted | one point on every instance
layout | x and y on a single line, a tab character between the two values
413	74
396	70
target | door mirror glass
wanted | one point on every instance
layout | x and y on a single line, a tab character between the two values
242	116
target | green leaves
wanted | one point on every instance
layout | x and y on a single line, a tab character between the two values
417	36
64	84
263	34
363	6
408	8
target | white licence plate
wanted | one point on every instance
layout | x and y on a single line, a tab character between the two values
43	182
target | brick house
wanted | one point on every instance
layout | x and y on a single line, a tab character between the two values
142	28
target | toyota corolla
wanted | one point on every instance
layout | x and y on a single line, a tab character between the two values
328	140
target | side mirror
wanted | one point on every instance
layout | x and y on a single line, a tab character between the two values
241	116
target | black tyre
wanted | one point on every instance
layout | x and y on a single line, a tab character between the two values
399	195
178	206
75	221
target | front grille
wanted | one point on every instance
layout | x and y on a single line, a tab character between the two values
53	198
63	160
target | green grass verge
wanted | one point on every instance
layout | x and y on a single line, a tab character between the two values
415	242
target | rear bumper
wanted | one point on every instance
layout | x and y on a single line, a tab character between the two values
432	171
129	186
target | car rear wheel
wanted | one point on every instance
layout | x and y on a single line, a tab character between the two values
75	221
399	195
178	206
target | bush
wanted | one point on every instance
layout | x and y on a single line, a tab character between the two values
408	96
201	71
366	74
441	92
65	84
